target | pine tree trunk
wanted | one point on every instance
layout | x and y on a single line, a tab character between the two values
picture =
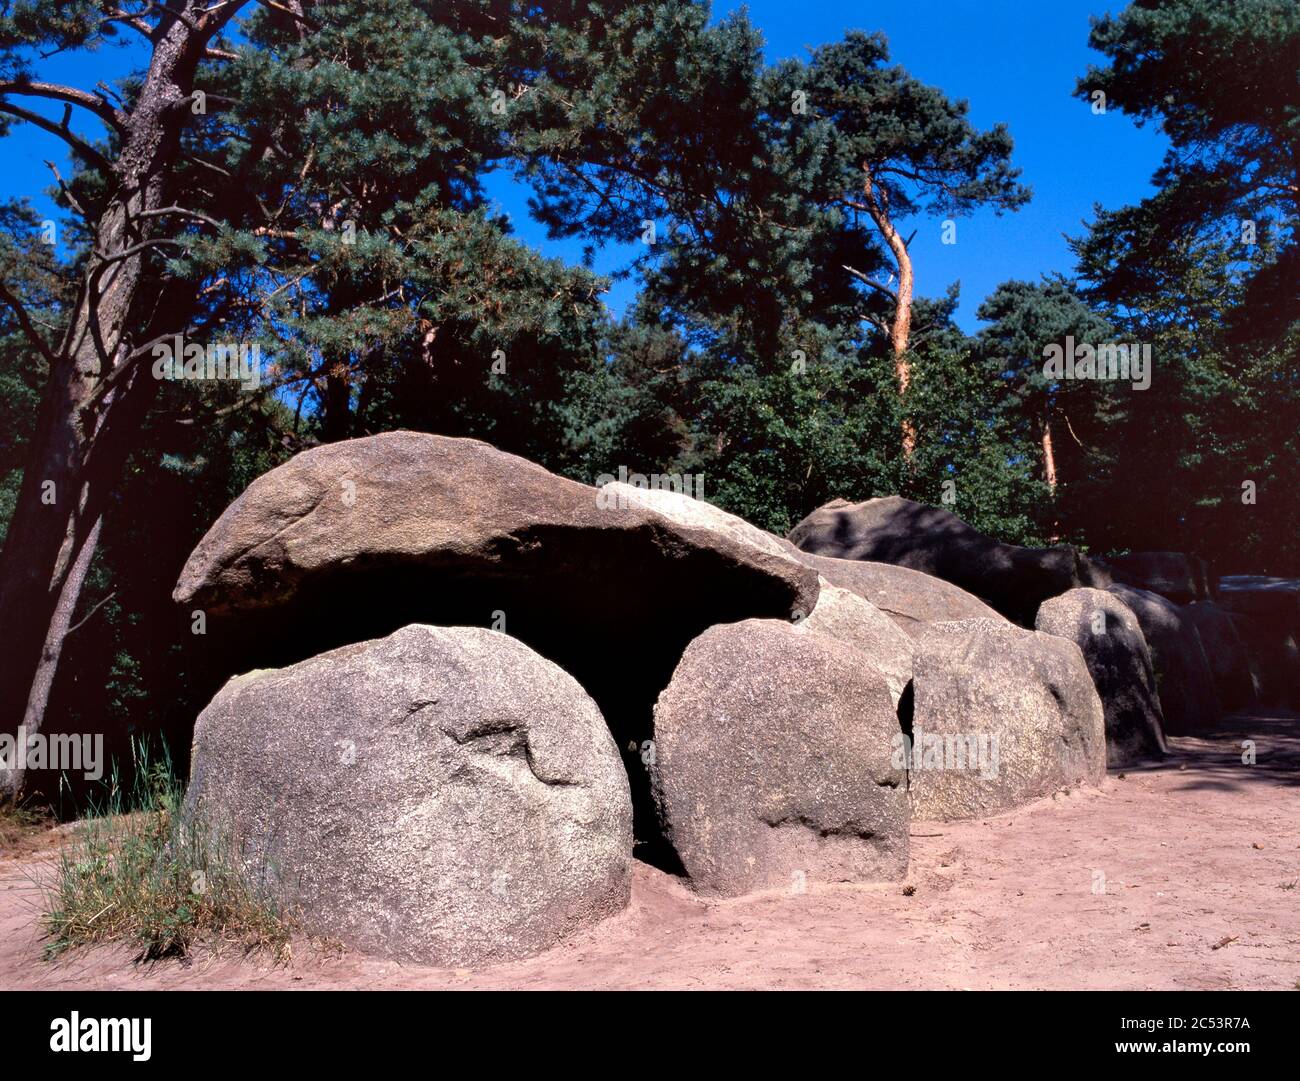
1049	456
900	330
337	420
86	424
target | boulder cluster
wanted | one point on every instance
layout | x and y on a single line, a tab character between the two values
469	690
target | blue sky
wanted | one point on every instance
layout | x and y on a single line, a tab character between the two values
1014	62
1017	63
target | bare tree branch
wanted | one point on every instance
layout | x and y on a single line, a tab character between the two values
297	16
135	249
162	210
97	104
874	285
85	150
86	617
67	192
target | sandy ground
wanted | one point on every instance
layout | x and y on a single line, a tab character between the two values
1199	859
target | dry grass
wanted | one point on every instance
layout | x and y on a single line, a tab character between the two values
140	872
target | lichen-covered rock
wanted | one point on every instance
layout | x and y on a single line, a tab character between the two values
442	795
1236	678
349	541
1270	627
457	506
1189	701
1180	577
688	511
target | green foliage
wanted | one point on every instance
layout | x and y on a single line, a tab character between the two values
976	454
1182	272
340	224
32	277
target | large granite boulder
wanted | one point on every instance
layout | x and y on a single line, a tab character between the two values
843	616
911	599
773	762
1110	638
840	614
1011	579
1274	662
1188	698
352	540
1236	676
1180	577
442	795
414	502
1001	716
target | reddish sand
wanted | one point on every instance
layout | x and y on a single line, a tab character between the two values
1201	865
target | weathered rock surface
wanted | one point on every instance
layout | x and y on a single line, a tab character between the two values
442	795
773	762
1274	661
843	616
1002	716
1180	577
911	599
352	540
455	505
1010	579
1115	651
1184	682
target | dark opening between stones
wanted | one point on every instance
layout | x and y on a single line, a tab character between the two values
906	707
618	622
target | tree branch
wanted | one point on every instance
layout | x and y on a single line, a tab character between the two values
874	285
100	106
67	192
85	150
297	16
135	249
182	211
24	321
87	616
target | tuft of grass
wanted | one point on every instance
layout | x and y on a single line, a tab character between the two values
139	871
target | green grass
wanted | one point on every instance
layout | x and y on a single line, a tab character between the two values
137	871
